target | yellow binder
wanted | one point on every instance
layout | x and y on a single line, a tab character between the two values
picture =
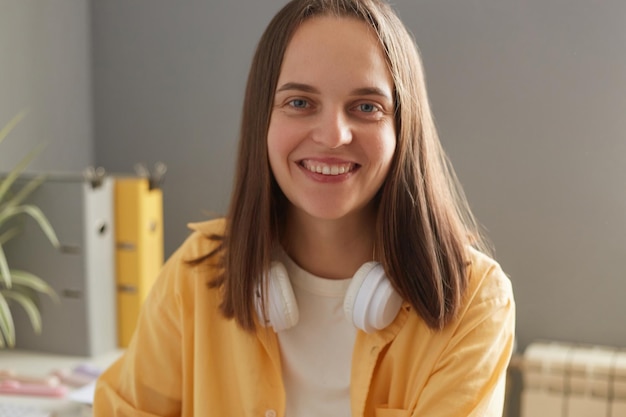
139	248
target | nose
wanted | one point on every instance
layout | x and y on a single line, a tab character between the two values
333	129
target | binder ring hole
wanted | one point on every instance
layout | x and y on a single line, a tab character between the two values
102	227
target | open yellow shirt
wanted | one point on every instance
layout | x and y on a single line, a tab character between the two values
186	360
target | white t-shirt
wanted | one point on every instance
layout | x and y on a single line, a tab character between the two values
316	353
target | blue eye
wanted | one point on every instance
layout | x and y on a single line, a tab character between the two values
367	108
298	103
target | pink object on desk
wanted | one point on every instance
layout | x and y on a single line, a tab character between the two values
9	386
50	380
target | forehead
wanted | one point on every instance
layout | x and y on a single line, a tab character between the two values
334	46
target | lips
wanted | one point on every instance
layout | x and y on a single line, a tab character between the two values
329	169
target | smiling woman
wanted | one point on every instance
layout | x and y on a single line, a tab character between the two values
347	277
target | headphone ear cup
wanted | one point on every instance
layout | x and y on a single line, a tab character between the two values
281	310
371	302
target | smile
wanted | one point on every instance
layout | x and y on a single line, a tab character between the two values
328	169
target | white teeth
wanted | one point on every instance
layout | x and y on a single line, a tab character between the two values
325	169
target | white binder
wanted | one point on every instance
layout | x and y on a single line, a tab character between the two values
82	273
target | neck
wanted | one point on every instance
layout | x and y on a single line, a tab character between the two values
332	249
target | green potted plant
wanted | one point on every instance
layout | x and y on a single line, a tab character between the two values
19	287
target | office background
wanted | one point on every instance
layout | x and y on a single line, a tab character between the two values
529	98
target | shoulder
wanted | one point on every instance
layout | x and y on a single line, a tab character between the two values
190	265
209	227
202	239
486	320
487	282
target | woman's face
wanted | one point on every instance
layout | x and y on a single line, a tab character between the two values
332	134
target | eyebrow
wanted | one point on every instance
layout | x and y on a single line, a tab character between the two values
370	91
299	87
364	91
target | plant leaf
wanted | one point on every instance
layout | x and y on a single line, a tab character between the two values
26	279
6	184
7	329
36	213
11	125
5	273
29	306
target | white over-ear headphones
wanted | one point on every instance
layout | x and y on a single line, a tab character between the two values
370	303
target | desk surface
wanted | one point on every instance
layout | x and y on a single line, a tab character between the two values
41	364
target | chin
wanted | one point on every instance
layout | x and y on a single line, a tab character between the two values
331	212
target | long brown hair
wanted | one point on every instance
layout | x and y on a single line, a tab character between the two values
424	225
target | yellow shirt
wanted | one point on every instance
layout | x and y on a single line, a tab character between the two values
186	360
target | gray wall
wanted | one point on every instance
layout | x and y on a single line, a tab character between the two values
45	66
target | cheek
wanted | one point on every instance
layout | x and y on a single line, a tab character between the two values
273	154
387	147
283	133
278	144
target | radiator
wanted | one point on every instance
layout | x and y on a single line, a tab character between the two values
568	380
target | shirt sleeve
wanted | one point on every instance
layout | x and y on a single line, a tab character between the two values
146	380
470	376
